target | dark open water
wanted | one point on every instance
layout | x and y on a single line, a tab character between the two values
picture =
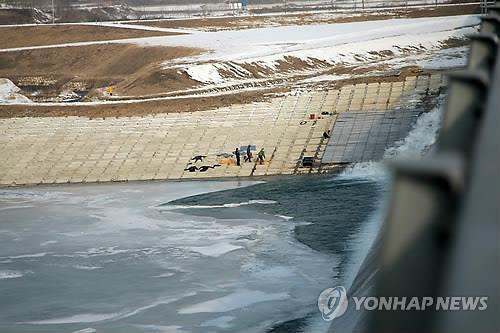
329	212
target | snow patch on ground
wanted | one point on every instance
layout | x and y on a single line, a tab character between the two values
9	93
204	73
328	44
346	54
252	57
448	58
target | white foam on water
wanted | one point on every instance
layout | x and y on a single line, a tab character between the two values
101	251
372	171
422	136
26	256
87	268
418	141
227	205
236	300
164	275
162	328
15	207
416	144
284	217
48	242
78	318
86	330
8	274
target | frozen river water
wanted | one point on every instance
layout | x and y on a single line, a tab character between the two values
124	258
218	256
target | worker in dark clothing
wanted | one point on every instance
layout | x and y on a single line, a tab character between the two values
326	135
261	156
248	158
237	154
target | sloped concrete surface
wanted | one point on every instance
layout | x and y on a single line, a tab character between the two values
78	149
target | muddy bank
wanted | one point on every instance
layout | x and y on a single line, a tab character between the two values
24	36
132	69
132	109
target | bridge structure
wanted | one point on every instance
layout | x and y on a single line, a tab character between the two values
441	236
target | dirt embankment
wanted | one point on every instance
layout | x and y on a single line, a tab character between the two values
250	22
12	37
201	103
132	69
133	109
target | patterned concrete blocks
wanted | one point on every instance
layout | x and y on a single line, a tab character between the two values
360	137
76	149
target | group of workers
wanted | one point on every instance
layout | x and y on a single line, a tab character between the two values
261	155
248	157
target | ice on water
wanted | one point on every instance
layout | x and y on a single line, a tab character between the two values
125	262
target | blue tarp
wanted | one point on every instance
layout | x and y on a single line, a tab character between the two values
244	148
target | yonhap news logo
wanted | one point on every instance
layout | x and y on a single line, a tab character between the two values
333	303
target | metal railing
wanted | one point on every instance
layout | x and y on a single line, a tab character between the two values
221	8
442	232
